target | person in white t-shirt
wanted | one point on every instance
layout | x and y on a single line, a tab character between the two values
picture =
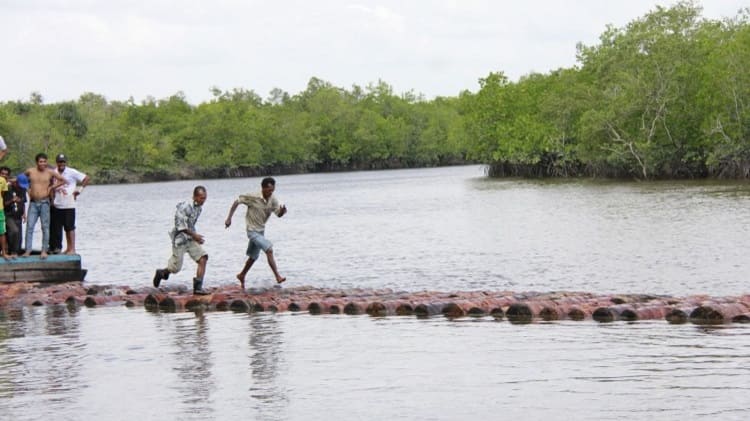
3	148
63	211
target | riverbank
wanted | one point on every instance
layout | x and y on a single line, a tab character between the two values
127	176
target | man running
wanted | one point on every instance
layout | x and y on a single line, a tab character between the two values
260	206
185	239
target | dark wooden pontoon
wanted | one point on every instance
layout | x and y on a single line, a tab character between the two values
55	268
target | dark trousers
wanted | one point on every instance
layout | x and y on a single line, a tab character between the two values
13	232
55	229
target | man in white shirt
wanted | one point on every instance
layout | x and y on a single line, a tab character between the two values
63	211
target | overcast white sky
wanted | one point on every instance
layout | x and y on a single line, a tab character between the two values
140	48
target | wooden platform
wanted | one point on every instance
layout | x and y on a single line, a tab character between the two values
55	268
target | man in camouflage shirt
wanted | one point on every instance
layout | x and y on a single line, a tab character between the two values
185	239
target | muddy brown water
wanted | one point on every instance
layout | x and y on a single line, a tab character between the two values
437	229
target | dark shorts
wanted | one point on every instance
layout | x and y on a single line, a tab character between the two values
66	218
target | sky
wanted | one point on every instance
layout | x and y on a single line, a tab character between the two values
157	48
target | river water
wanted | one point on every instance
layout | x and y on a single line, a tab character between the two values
437	229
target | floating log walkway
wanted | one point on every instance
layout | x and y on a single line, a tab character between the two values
516	307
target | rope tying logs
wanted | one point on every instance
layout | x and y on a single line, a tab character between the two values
515	307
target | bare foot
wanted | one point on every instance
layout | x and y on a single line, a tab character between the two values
280	280
242	281
27	254
43	255
7	256
70	252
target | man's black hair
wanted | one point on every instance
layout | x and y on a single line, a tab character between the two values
198	190
268	181
39	156
5	169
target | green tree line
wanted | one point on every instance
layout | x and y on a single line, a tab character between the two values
238	132
665	96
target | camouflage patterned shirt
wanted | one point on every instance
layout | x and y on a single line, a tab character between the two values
185	217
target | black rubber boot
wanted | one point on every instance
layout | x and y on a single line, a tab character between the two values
198	287
159	275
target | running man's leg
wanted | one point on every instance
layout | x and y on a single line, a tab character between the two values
272	263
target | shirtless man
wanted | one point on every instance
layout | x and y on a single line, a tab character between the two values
41	184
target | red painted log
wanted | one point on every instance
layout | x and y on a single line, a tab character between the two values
651	312
578	313
276	306
547	306
101	300
679	315
428	309
497	313
354	308
151	302
383	308
461	308
552	310
74	301
300	303
135	300
169	304
405	308
328	305
523	312
613	313
716	313
239	306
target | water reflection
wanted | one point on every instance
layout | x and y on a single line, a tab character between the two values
265	339
41	359
192	362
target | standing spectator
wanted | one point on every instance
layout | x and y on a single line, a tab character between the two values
3	242
63	211
42	181
3	148
15	209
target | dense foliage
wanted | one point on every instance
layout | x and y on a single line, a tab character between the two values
665	96
238	133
